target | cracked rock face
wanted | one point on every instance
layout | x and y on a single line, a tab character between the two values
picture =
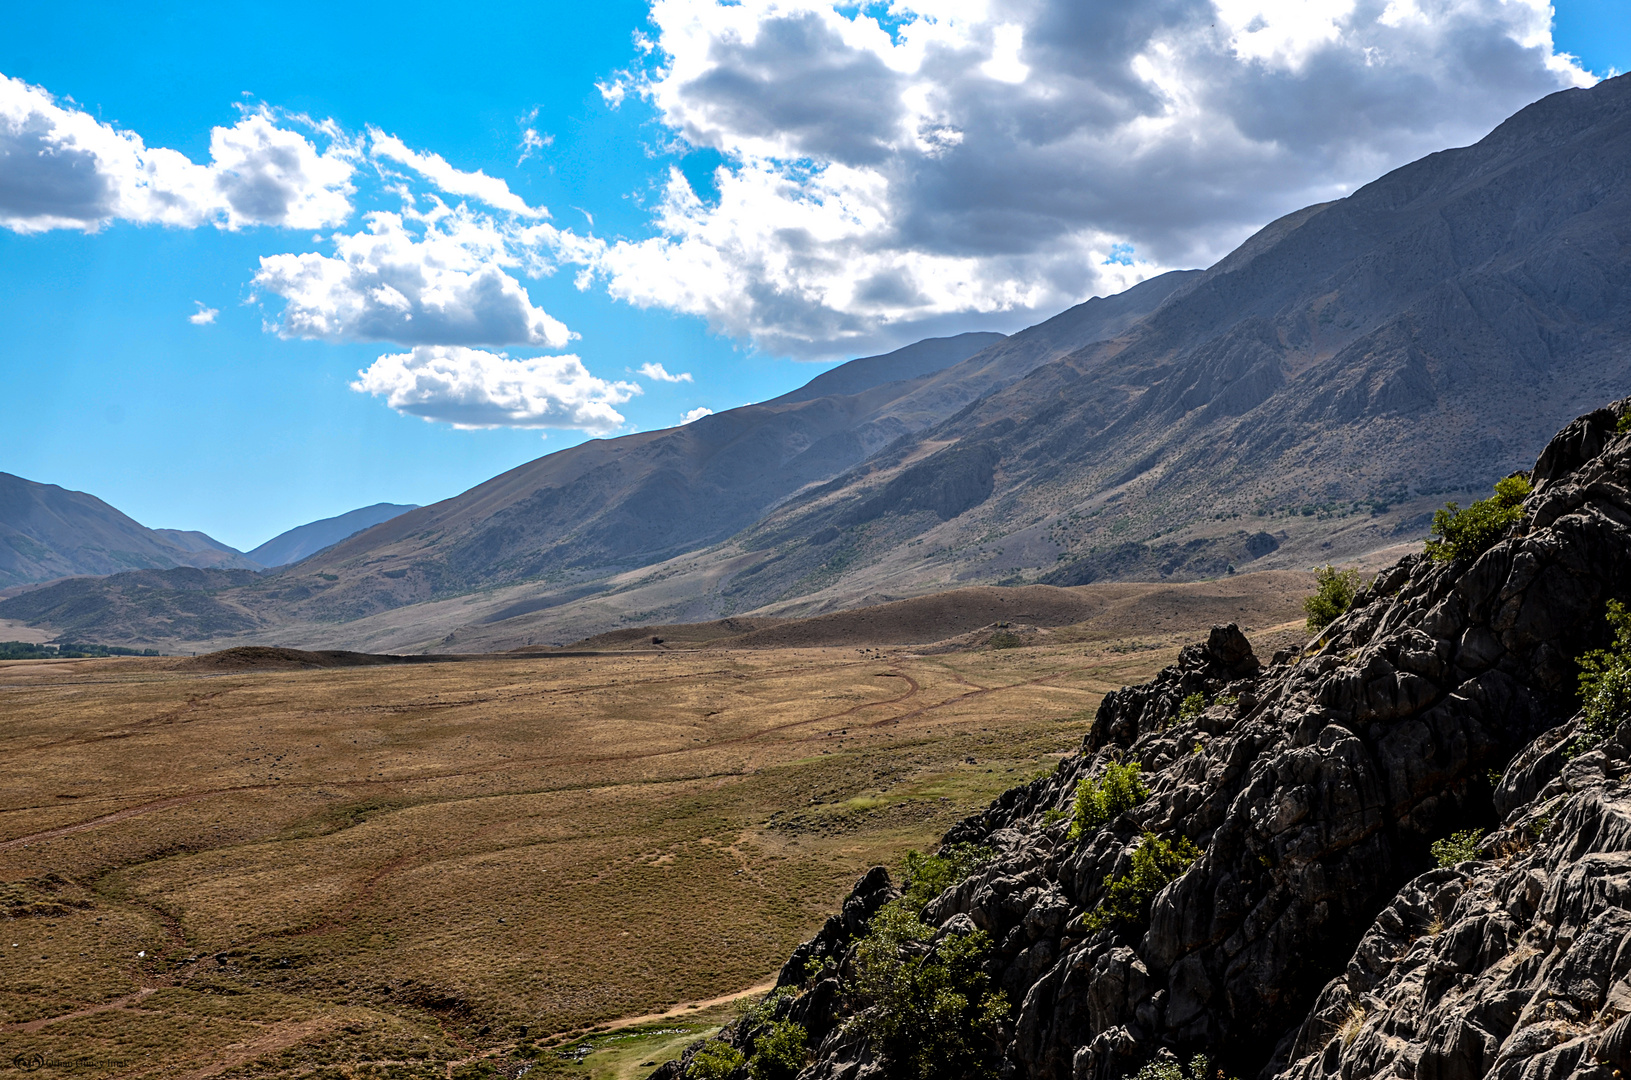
1311	938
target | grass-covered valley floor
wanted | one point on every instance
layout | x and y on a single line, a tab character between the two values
463	868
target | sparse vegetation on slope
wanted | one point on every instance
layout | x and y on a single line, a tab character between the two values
1461	534
1104	798
1334	592
1605	683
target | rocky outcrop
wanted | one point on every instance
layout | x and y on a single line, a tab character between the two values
1311	937
1517	965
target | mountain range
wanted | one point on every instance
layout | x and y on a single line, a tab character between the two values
1312	396
48	532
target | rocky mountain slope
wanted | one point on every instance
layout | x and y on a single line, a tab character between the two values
306	540
1422	337
1262	898
49	532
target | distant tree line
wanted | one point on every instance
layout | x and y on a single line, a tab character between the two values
28	650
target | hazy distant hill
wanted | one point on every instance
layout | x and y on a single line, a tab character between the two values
309	539
50	532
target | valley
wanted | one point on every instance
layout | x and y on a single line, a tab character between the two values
241	865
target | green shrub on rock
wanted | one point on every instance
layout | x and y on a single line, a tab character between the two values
927	876
1605	684
1200	1068
1156	863
1473	531
715	1061
1458	847
929	1009
1334	592
1190	708
780	1053
1099	801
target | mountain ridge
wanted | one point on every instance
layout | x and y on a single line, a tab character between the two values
49	532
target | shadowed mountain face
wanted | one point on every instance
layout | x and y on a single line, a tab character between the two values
307	540
1424	335
49	532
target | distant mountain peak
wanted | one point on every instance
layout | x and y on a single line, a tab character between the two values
304	541
48	531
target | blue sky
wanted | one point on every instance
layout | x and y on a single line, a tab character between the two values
829	234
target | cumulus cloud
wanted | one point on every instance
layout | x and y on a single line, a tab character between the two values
445	284
472	388
660	374
1003	161
695	414
60	168
204	316
433	167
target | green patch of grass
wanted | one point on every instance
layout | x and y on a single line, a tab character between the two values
624	1055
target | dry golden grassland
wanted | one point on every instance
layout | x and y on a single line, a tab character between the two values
451	869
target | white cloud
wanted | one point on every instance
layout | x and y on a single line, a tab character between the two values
660	374
471	388
60	168
531	142
446	285
204	316
695	414
433	167
991	162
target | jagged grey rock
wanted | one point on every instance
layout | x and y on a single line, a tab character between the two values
1312	938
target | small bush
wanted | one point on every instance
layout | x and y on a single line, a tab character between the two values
1458	847
1334	592
930	1011
715	1061
1052	816
755	1013
1099	801
1156	863
1470	532
1190	708
1170	1069
927	876
1605	683
780	1053
1002	639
